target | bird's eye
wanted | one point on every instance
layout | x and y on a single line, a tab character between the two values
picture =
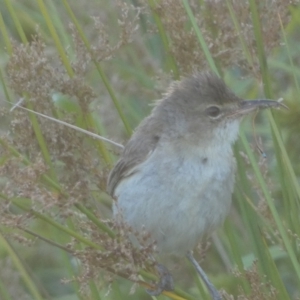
213	111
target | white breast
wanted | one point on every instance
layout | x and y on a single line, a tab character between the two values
179	196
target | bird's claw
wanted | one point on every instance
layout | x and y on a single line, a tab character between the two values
165	282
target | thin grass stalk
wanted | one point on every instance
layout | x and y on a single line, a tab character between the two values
254	228
55	186
117	293
267	90
249	217
89	243
264	69
287	47
33	119
177	294
170	61
271	205
289	196
94	291
100	146
71	271
99	69
5	35
291	173
26	161
39	136
200	37
55	38
95	220
29	283
41	140
4	85
259	247
62	228
67	260
277	139
60	28
16	21
236	253
280	66
276	279
240	35
260	47
3	292
67	65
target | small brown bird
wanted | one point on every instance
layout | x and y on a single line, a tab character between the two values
175	177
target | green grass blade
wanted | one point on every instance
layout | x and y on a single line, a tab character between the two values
30	285
200	37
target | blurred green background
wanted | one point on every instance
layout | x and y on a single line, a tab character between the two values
100	65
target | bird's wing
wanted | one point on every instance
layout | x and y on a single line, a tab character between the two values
138	149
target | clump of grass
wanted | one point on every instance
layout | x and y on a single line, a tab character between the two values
53	179
227	28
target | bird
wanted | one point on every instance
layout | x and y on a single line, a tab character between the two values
175	176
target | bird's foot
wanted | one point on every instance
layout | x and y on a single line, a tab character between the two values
213	291
165	282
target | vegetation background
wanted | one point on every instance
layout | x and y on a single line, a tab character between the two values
99	65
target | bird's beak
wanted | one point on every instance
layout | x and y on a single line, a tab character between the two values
248	106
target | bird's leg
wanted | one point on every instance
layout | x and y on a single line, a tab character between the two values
213	291
165	282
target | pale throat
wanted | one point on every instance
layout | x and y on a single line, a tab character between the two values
225	135
221	139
